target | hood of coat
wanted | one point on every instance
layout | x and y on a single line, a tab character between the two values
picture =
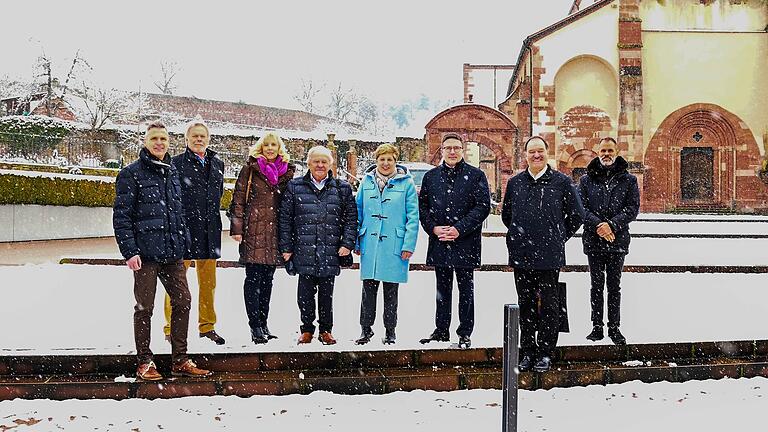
595	169
402	172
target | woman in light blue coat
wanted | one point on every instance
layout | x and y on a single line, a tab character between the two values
388	225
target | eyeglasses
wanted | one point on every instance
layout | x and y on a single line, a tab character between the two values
453	149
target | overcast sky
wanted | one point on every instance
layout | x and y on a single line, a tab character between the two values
258	52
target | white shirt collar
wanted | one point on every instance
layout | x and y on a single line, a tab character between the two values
538	176
319	184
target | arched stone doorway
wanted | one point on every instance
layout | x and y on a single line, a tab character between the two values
702	156
491	129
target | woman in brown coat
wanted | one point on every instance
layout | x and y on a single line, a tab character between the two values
254	207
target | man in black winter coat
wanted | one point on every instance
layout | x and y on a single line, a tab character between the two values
611	201
542	210
201	174
318	225
453	203
150	230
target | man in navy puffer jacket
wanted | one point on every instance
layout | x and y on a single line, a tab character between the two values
148	219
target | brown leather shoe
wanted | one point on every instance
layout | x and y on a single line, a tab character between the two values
326	338
148	372
189	369
305	338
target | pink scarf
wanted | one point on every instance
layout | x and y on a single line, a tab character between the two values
272	171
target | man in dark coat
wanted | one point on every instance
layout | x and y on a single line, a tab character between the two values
318	225
541	210
611	201
202	183
453	203
150	230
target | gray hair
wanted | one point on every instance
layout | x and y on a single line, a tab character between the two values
319	151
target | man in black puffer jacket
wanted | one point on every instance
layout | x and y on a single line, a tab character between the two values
542	210
318	224
148	219
611	200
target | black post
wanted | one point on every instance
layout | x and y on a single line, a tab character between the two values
510	374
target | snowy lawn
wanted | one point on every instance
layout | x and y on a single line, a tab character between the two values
701	406
69	309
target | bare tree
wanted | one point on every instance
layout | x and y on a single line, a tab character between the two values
343	102
103	105
307	95
168	71
367	114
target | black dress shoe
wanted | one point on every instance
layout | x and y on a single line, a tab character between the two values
267	333
212	335
365	336
525	363
616	336
437	336
464	342
543	364
389	338
597	333
258	337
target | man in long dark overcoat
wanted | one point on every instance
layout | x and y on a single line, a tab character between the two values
542	210
453	203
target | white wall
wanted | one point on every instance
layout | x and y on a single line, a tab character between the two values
35	222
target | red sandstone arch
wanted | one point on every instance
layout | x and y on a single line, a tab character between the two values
736	159
581	129
477	123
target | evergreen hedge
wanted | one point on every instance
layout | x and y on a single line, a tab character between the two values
19	189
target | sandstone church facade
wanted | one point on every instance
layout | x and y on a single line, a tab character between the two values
681	84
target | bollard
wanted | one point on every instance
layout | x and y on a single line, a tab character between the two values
510	372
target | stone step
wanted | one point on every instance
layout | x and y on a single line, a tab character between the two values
375	372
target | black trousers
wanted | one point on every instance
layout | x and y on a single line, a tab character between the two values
368	303
308	287
465	279
605	270
534	286
257	291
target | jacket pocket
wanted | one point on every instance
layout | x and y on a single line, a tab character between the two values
399	240
150	238
359	245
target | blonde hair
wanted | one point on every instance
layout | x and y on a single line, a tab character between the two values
319	150
386	149
270	137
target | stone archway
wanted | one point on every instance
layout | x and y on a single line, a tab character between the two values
581	129
579	161
487	127
702	156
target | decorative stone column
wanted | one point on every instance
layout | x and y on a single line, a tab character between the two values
332	147
352	158
630	130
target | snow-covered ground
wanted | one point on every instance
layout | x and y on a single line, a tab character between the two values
68	308
701	406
